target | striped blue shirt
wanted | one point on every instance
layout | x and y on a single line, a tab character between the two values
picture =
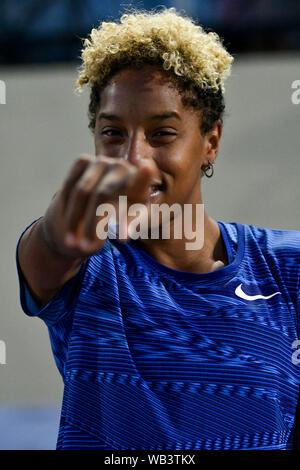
159	359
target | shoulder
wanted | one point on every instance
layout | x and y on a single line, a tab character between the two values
280	244
277	240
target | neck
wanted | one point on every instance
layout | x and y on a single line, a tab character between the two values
172	252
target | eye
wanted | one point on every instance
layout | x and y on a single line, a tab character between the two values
164	133
112	131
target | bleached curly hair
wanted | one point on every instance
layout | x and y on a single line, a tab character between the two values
194	60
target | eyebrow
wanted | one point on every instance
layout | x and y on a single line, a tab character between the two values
166	115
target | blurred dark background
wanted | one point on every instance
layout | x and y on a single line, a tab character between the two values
38	31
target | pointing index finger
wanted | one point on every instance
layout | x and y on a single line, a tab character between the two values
139	189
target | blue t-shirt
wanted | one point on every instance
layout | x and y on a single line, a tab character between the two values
159	359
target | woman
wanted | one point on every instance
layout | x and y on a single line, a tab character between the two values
160	346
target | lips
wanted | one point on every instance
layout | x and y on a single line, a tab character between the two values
156	189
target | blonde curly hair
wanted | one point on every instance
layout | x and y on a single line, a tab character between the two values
194	60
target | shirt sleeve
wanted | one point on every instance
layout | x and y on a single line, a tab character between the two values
59	306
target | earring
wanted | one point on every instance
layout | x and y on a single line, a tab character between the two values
208	170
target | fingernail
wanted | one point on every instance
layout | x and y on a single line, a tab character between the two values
70	239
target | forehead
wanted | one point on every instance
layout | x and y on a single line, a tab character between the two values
148	85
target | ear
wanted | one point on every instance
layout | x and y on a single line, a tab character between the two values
212	139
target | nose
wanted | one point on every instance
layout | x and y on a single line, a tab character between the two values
137	148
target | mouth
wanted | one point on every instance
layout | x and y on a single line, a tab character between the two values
156	190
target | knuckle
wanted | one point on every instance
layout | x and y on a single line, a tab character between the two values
98	165
81	162
84	158
125	172
81	191
101	192
116	167
127	166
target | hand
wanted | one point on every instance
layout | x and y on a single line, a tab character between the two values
70	222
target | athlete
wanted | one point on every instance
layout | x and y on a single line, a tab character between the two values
159	346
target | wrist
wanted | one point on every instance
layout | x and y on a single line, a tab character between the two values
52	245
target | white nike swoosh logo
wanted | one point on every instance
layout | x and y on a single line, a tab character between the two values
240	293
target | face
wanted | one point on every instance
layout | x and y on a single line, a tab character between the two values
141	117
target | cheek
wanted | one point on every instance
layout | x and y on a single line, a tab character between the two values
174	156
185	161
